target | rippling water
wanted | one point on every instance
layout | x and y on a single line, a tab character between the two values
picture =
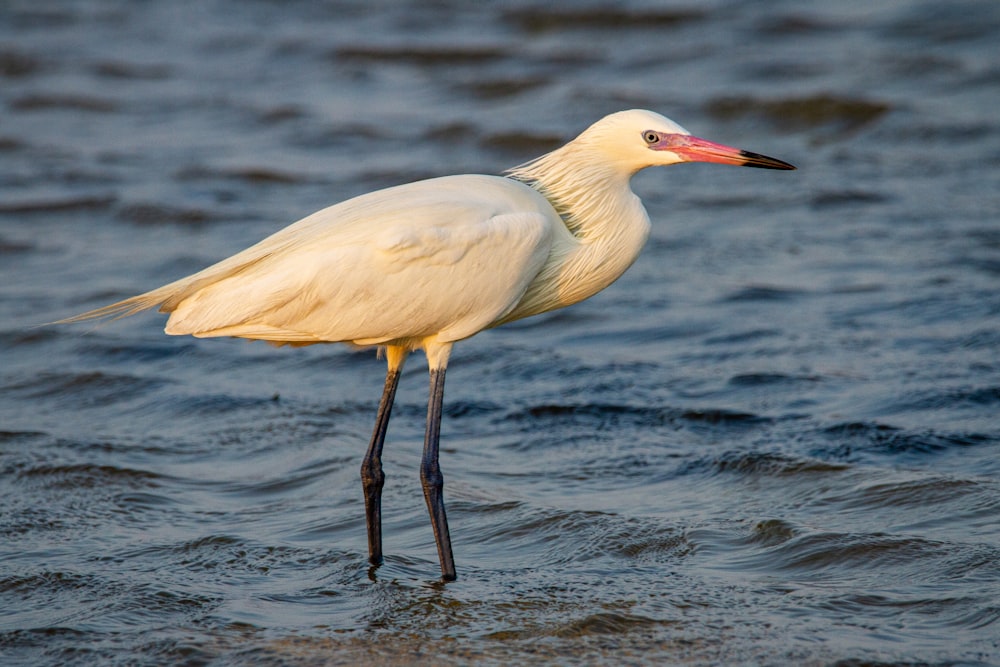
774	441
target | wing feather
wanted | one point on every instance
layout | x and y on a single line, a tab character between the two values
445	257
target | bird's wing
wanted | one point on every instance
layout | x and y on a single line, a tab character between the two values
425	261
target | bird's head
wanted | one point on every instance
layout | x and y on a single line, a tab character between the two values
637	139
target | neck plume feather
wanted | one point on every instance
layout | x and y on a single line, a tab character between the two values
582	188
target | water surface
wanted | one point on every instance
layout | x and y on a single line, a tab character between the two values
773	441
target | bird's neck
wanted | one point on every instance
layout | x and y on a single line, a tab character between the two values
590	194
606	223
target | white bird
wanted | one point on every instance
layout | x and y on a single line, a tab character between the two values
424	265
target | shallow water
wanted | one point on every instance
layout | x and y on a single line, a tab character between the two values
773	441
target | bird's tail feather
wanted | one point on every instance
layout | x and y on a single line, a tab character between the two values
125	307
170	295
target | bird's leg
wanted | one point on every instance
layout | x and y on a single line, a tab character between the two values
430	471
372	477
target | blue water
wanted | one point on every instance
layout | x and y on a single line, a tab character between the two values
774	441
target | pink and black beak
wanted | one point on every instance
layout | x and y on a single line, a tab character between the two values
693	149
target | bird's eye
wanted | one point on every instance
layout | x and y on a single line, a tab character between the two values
650	137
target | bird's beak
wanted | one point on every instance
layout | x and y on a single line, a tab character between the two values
693	149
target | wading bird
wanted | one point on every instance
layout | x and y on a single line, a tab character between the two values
424	265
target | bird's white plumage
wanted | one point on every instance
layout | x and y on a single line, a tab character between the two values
425	264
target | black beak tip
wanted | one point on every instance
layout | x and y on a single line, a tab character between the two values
764	162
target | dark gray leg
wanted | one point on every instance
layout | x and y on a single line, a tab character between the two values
431	478
372	477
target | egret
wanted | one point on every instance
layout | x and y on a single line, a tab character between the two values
424	265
